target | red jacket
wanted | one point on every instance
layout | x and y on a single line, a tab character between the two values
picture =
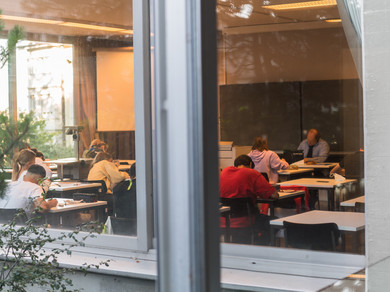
241	183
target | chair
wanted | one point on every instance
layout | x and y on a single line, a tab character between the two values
360	207
265	176
102	182
102	195
239	207
324	236
125	208
7	215
292	156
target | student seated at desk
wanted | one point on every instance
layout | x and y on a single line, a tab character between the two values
96	146
104	169
267	161
39	160
314	148
242	181
27	193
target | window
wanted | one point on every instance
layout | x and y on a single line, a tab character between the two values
75	72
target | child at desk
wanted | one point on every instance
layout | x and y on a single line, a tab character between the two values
103	168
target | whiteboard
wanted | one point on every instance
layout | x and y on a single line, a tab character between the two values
115	90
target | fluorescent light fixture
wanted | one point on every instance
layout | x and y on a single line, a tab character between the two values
302	5
90	26
29	19
333	20
62	23
127	31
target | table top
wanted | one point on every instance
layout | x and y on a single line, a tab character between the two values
224	209
316	182
352	202
346	221
74	206
72	185
323	165
294	171
286	194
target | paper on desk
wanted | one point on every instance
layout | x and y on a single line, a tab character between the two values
300	162
338	177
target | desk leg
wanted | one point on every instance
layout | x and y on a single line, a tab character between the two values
331	199
272	209
272	236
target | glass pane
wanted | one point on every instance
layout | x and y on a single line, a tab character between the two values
71	94
290	97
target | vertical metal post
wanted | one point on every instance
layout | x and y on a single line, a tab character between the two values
187	159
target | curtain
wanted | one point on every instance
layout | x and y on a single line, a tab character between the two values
85	90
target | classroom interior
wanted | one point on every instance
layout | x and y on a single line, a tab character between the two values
281	72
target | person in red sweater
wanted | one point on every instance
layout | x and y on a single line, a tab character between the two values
242	181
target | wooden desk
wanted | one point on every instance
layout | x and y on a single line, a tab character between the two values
55	215
282	196
321	184
289	174
346	222
65	189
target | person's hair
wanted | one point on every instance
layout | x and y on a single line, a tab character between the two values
37	170
260	144
22	158
317	134
101	156
244	160
38	153
132	171
96	142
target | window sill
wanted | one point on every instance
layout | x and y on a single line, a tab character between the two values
272	269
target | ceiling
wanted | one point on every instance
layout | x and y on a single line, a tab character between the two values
234	16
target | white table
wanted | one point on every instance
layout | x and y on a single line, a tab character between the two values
55	214
352	203
321	184
288	174
66	188
322	165
346	221
282	196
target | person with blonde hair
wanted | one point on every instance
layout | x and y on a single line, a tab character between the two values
103	168
95	147
265	160
22	161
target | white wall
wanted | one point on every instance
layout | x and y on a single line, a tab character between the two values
376	72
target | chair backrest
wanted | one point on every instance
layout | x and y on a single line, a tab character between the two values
265	176
7	215
104	187
292	156
125	200
322	236
360	207
239	207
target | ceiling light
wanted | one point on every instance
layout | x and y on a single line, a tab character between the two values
29	19
301	5
90	26
333	20
70	24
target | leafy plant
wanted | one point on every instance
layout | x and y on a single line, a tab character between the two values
26	261
14	35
